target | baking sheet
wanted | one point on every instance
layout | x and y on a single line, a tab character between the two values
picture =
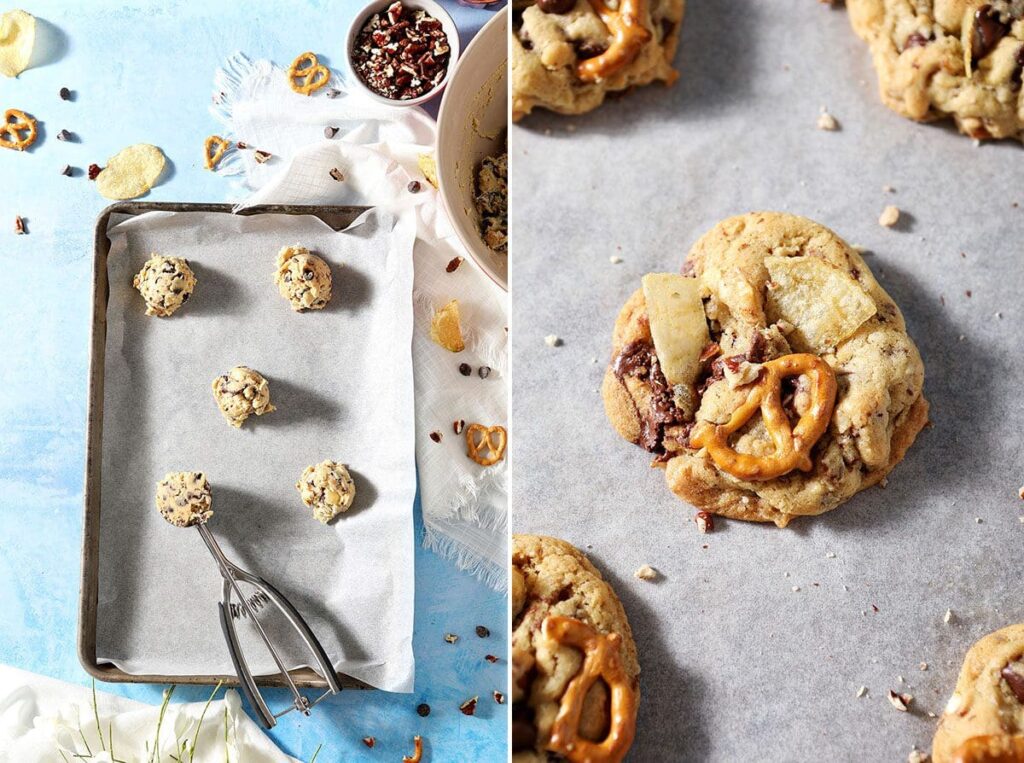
736	664
341	380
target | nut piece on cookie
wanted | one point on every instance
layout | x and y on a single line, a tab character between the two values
303	278
984	716
165	283
326	488
241	393
806	391
184	498
446	328
568	628
567	55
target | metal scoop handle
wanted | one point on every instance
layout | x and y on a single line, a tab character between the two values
232	574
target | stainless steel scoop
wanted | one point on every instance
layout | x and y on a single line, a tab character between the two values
265	595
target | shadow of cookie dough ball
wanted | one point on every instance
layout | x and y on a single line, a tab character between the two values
241	393
327	489
165	283
184	498
303	278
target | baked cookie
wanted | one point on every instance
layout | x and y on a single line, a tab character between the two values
948	58
984	719
327	489
241	393
569	632
773	378
184	498
303	278
165	283
568	54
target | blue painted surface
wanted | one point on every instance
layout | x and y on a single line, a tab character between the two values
143	73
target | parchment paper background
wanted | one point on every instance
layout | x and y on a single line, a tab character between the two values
736	665
341	379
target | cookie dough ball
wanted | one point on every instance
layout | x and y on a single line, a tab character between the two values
938	59
327	489
767	286
184	498
303	278
165	283
241	393
986	711
553	578
491	201
566	59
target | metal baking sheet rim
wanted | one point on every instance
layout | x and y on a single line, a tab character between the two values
338	218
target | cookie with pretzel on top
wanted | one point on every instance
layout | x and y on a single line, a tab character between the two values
567	55
772	378
575	674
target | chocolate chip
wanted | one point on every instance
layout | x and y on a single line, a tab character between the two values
491	658
453	265
241	146
556	6
65	94
436	437
66	170
64	135
330	132
414	186
465	369
337	174
585	49
94	171
484	371
332	92
499	697
482	631
988	31
423	709
1015	681
369	742
469	706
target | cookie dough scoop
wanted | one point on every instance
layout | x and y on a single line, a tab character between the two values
184	500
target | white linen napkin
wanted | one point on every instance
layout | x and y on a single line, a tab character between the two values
376	150
43	720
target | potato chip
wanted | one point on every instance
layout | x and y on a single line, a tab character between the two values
131	172
678	326
824	303
428	167
17	39
445	328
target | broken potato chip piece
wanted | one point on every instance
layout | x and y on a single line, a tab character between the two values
307	74
825	304
131	172
428	166
678	326
445	328
17	40
18	130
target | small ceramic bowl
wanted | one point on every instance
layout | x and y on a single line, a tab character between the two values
472	125
379	6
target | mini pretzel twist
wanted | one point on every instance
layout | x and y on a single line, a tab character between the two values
629	35
991	748
213	150
307	74
479	439
600	661
792	444
15	123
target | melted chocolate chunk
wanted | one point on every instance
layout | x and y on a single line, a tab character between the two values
585	50
988	31
638	359
1018	59
556	6
524	735
1015	681
916	40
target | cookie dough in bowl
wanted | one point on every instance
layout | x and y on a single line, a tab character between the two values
984	719
184	498
165	283
575	674
303	278
774	378
567	55
241	393
326	488
938	59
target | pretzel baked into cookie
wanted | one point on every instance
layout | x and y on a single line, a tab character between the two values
773	378
567	55
984	718
575	676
